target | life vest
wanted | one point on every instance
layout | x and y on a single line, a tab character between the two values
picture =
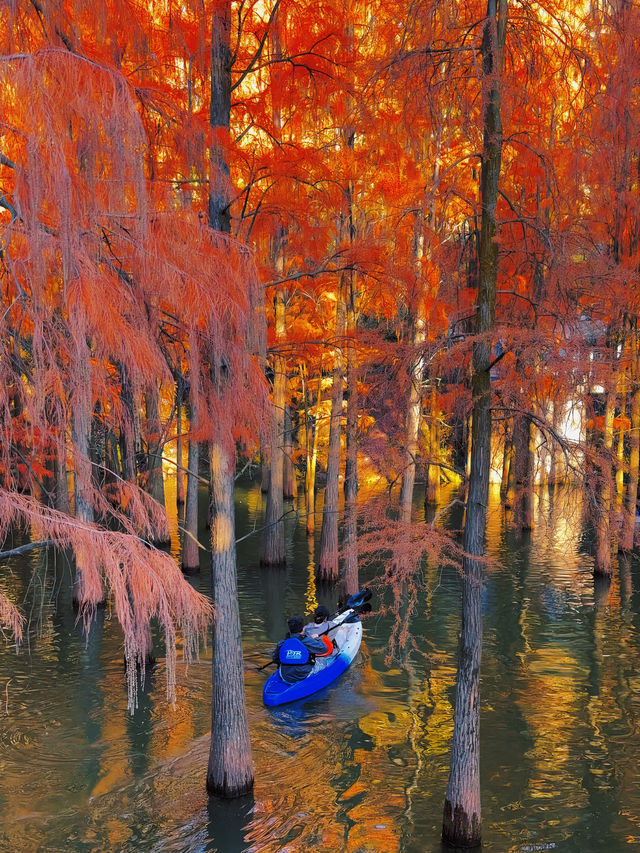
293	651
329	646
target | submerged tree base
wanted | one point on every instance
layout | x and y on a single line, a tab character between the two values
460	830
327	574
227	790
273	564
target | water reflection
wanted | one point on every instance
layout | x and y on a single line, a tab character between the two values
228	823
363	765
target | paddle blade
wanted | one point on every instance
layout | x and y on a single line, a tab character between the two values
359	598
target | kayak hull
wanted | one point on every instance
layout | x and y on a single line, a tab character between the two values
348	637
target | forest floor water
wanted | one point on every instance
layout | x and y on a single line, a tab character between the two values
363	765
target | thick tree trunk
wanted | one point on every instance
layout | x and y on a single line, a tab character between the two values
631	498
230	772
350	569
328	557
462	816
273	550
602	565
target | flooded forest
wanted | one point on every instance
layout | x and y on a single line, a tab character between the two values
319	426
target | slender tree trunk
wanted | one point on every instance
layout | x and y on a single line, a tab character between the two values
311	444
350	569
468	431
180	492
523	472
631	499
289	485
80	441
273	542
414	408
273	551
433	471
328	558
265	465
61	478
230	772
155	444
127	431
602	564
507	461
620	445
558	463
462	816
190	550
155	480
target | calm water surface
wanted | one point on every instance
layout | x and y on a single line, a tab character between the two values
362	766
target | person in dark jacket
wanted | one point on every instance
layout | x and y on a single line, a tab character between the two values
296	653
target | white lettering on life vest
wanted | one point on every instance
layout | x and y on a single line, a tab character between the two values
293	654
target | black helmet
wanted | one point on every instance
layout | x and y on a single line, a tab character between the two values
320	614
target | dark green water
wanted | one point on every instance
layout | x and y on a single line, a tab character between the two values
363	765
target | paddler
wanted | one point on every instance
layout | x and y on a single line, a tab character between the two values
297	652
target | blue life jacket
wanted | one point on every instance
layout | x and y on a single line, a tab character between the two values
293	651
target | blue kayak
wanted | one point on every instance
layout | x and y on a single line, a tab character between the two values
347	639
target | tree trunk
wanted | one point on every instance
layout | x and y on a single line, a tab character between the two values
230	772
414	408
350	569
620	445
468	432
462	816
558	471
190	550
631	499
273	551
180	492
61	479
80	441
155	444
265	466
328	558
289	485
523	472
432	495
507	461
128	427
311	452
602	565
